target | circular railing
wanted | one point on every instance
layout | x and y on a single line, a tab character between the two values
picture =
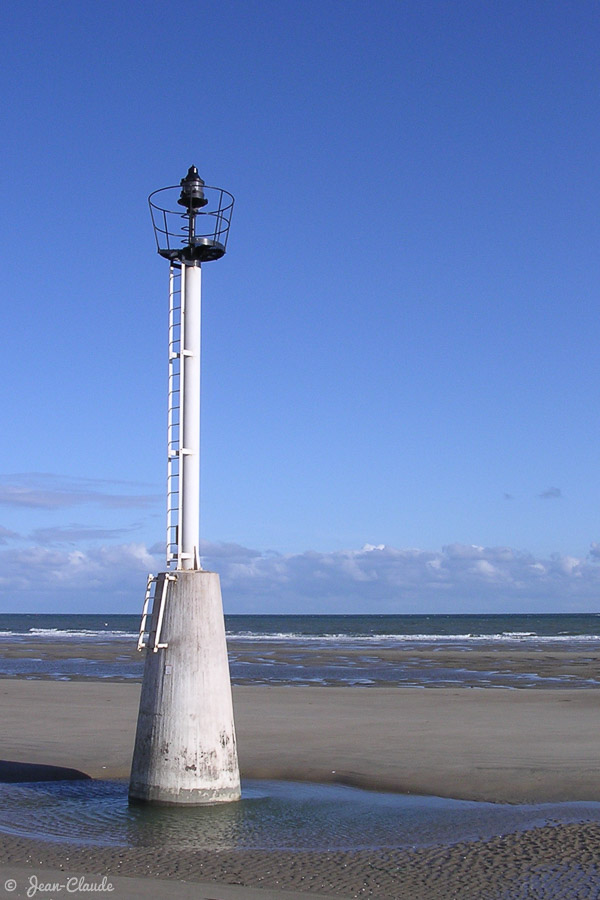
193	234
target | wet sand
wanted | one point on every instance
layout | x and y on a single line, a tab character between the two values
509	664
493	744
552	863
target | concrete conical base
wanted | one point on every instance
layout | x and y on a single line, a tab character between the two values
185	749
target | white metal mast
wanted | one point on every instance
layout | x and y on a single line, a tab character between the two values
189	463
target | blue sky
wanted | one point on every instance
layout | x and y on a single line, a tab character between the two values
400	373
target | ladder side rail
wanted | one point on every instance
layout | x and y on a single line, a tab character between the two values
172	509
158	644
141	645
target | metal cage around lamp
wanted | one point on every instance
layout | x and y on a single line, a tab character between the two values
191	220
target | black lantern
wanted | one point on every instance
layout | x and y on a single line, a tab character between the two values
192	193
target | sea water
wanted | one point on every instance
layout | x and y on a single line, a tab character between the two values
272	815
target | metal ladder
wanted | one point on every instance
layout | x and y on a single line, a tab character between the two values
149	603
174	420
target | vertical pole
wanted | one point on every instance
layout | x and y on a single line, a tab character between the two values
189	539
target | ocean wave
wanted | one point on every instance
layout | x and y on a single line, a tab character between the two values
521	636
74	634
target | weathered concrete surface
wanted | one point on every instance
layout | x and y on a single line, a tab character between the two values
185	746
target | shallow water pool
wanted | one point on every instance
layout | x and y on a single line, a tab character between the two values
272	815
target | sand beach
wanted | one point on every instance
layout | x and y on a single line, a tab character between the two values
497	745
500	745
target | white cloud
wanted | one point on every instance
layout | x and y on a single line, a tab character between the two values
485	568
387	579
47	491
7	535
58	574
551	493
66	534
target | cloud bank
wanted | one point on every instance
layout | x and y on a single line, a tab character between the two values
457	578
386	579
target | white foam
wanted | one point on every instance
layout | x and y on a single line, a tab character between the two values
70	634
505	636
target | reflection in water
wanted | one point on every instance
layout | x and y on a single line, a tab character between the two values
272	815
